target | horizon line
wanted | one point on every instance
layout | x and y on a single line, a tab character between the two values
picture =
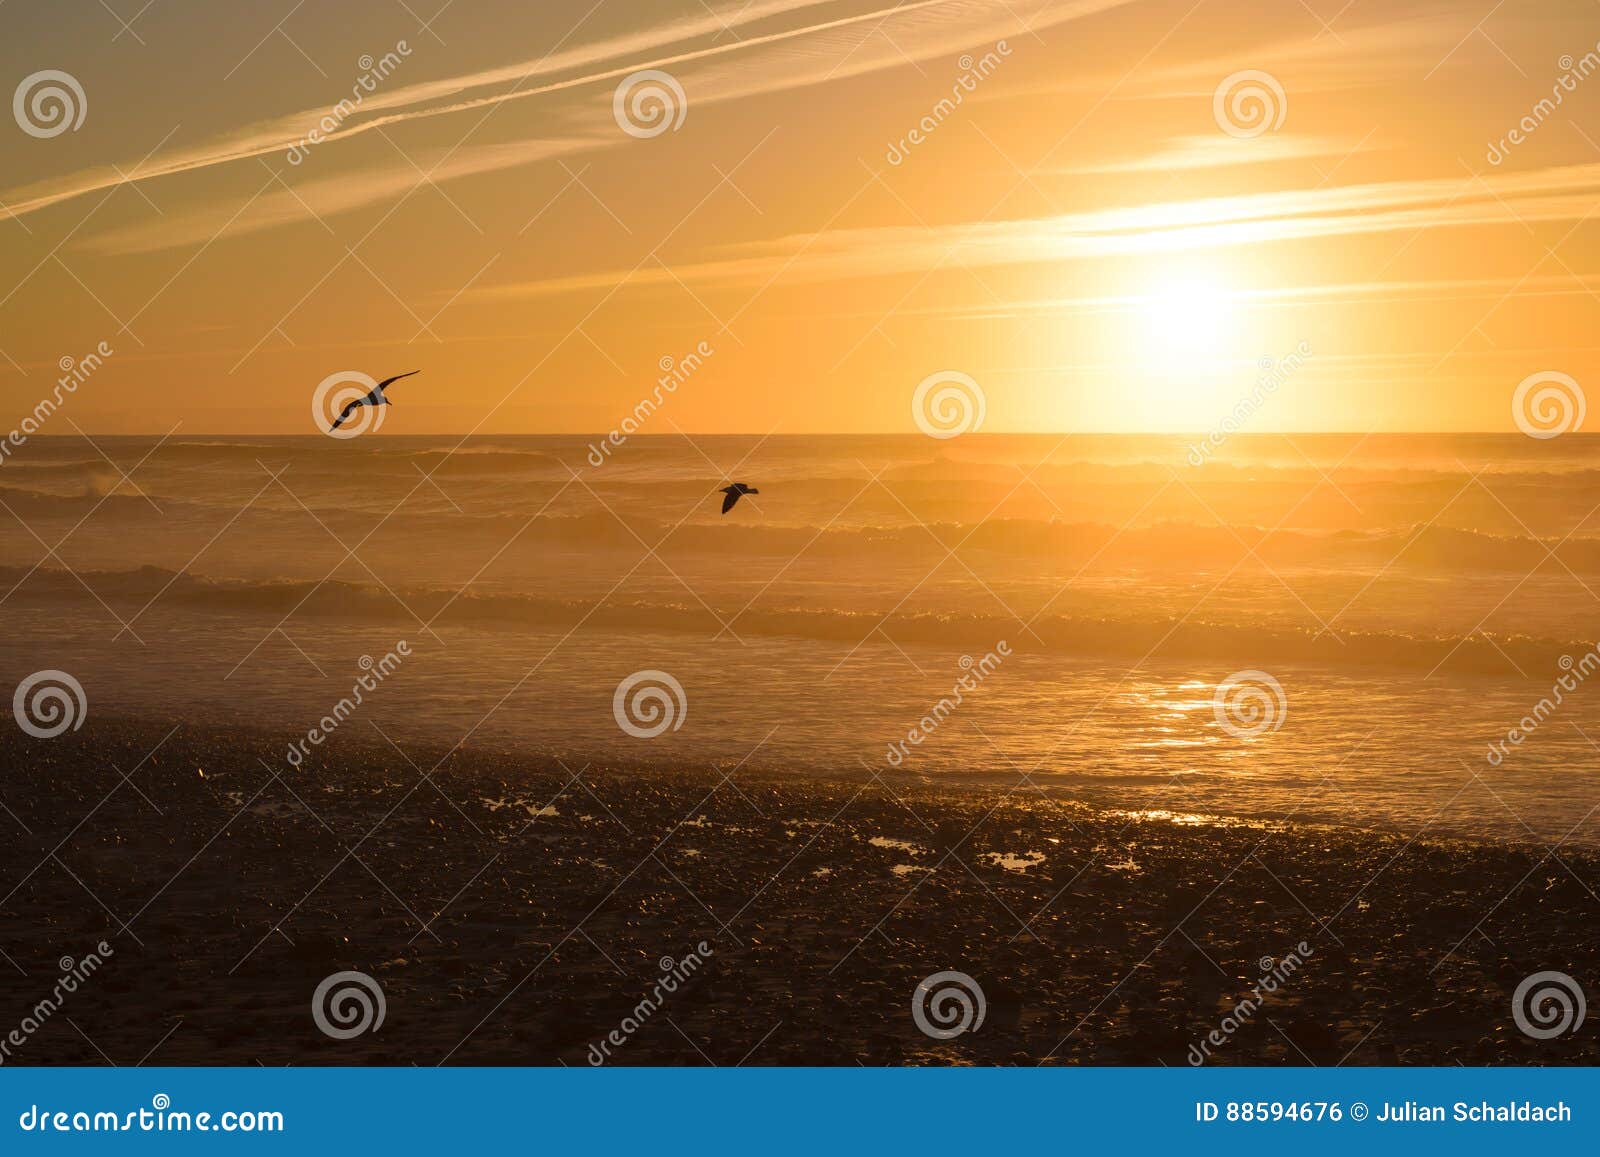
823	434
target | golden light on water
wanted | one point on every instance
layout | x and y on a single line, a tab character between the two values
1082	495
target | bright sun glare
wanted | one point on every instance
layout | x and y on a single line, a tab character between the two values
1188	316
1186	331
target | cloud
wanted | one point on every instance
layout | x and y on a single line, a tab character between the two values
321	197
1563	193
1329	293
395	103
763	62
1218	150
1394	47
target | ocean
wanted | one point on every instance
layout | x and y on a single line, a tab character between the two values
1381	631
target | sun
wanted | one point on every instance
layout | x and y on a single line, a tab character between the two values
1187	315
1184	344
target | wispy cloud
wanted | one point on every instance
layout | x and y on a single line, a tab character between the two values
1358	51
764	62
1292	296
1503	199
1218	150
322	197
398	103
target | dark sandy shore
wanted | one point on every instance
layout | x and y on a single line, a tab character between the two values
550	899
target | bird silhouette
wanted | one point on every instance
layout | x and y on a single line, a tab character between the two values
734	493
373	398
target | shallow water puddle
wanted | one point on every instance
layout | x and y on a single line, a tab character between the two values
275	809
889	842
495	805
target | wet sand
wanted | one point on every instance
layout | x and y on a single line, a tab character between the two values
517	911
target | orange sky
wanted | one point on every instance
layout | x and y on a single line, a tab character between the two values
1094	233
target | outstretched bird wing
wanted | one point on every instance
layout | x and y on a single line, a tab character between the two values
396	378
729	499
346	412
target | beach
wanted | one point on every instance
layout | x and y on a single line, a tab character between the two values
886	545
1405	602
520	910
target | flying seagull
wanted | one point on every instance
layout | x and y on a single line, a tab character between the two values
375	398
734	493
